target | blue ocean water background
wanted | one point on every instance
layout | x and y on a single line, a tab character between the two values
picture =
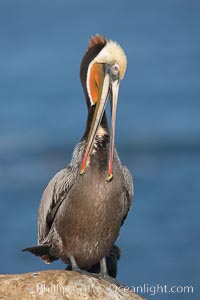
43	114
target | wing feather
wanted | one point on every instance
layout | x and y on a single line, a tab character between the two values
128	186
54	194
128	191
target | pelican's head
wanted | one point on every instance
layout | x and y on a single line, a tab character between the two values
102	68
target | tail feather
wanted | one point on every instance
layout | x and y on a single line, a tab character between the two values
43	252
38	250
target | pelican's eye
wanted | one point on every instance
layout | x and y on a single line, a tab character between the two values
115	71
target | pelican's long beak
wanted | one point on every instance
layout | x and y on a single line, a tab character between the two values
113	99
110	86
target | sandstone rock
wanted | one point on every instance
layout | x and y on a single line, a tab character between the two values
61	285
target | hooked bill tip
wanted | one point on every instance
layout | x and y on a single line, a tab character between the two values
110	177
81	172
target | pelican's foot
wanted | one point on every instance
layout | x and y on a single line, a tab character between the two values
108	278
102	275
82	272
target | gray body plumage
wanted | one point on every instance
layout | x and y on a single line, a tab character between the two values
81	215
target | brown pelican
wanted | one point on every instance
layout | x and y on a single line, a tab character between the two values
85	204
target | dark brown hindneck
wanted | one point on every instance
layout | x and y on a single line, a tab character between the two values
96	45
